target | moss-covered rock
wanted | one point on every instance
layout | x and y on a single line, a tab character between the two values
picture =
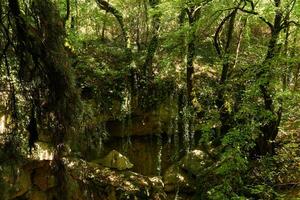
22	184
44	180
193	161
116	160
85	180
38	195
106	184
176	178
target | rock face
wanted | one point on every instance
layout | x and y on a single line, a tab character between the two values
141	126
116	160
144	123
43	180
146	137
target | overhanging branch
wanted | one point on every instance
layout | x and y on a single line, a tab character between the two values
259	16
104	5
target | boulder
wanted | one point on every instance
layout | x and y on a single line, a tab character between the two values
41	174
22	185
193	161
176	178
116	160
38	195
44	181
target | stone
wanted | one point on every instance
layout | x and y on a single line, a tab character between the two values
175	178
116	160
22	185
41	175
193	161
38	195
44	181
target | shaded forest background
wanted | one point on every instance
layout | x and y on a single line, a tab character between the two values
220	76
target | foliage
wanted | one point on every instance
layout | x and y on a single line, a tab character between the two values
231	68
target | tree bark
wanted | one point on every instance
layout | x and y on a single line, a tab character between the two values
190	59
224	56
269	131
67	16
153	44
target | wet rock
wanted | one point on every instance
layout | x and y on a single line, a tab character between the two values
193	161
115	160
176	178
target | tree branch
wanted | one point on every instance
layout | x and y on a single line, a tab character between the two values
117	14
260	17
288	23
217	34
67	13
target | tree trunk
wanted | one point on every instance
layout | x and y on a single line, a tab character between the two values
220	102
153	44
190	60
269	131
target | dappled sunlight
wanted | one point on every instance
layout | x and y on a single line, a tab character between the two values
42	151
2	124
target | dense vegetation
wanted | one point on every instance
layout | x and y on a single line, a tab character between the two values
223	76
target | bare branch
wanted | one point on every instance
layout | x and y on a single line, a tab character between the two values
288	23
219	29
259	16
